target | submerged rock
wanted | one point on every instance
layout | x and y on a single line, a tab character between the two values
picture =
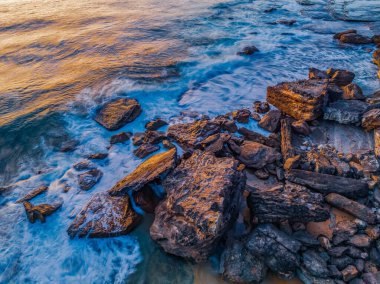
248	50
156	167
40	211
256	155
116	114
355	38
279	250
303	99
88	179
203	195
105	216
33	194
290	202
346	111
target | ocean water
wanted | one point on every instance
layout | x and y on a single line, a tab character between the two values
60	60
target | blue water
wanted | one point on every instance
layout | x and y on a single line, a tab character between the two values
172	57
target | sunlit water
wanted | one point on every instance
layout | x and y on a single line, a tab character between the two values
59	60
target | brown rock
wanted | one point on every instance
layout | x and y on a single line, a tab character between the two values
256	155
40	211
153	168
88	179
373	232
261	107
338	35
256	137
292	163
120	137
371	119
33	194
98	156
376	135
155	124
241	115
353	92
340	77
138	138
116	114
105	216
145	150
315	73
376	57
167	144
355	38
352	207
146	199
360	241
350	272
303	99
154	137
255	116
287	149
271	121
201	205
301	127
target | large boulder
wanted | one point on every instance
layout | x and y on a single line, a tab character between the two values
190	134
203	195
290	202
256	155
105	216
346	111
303	99
155	167
279	250
116	114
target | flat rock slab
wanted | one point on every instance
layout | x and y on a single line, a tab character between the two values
346	111
303	99
326	184
153	168
105	216
203	195
290	202
116	114
352	207
190	134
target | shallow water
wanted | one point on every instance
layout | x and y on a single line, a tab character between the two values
61	59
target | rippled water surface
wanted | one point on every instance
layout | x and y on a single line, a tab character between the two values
59	60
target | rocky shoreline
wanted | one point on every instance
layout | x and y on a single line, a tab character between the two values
261	203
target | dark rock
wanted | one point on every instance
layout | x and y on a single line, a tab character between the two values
338	35
105	216
88	179
138	138
303	99
261	107
376	57
307	277
33	193
40	211
324	242
146	199
371	119
361	241
279	250
201	205
370	267
371	278
235	148
359	264
375	256
261	174
356	253
342	262
256	155
315	264
334	271
97	156
306	239
154	137
354	208
301	127
286	22
120	137
240	266
346	111
349	273
145	150
340	77
215	143
315	73
337	251
84	165
241	115
271	121
69	146
155	124
326	184
373	232
248	50
156	167
287	149
116	114
190	134
355	38
255	116
167	144
353	92
339	239
226	123
290	202
256	137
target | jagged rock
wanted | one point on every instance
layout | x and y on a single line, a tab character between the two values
241	115
190	134
303	99
355	38
271	121
33	194
315	264
201	204
256	155
315	73
155	124
256	137
301	127
340	77
346	111
156	167
261	107
84	165
40	211
88	179
349	273
215	143
352	92
346	227
337	251
105	216
248	50
146	199
262	174
97	156
326	184
120	137
116	114
371	119
352	207
290	202
278	250
240	266
145	150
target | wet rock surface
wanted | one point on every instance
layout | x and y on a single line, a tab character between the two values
40	211
88	179
33	194
346	111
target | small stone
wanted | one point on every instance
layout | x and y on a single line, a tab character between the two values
261	174
248	50
315	264
40	211
337	251
324	242
315	73
88	179
349	273
167	144
120	137
373	232
359	264
138	138
155	124
145	150
354	38
261	107
338	35
69	146
342	262
97	156
84	165
286	22
255	116
256	155
353	92
241	115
